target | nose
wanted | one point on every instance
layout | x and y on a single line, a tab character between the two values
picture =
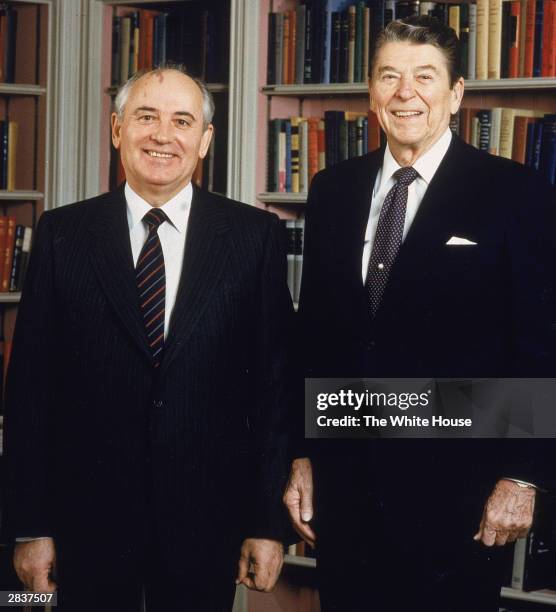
406	90
164	132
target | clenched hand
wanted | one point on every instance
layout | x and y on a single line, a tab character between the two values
33	562
298	499
508	514
260	562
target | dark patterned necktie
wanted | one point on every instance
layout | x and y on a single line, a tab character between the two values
388	238
151	283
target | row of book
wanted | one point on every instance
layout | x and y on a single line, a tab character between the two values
195	35
295	229
298	147
521	135
329	41
8	32
15	248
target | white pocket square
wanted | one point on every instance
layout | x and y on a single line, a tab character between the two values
455	240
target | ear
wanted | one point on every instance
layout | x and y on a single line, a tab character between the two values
457	95
116	130
205	141
371	100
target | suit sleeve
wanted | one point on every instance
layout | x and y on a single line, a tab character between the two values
271	418
28	397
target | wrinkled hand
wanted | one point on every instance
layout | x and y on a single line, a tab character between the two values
508	514
298	499
33	562
260	562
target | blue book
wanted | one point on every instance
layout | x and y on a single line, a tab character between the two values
330	6
485	125
537	49
529	143
537	142
548	148
365	135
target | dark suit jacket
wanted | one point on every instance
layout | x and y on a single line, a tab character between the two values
104	449
479	311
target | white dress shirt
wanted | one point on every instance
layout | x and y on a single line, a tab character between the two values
172	237
426	166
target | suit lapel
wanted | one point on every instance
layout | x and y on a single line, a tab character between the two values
203	269
112	259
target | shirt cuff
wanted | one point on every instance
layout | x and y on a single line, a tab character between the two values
22	540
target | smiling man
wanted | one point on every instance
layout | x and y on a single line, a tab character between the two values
424	259
147	455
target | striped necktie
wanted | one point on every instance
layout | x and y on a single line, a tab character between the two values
389	235
151	283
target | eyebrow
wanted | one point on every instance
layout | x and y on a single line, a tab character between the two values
151	109
418	68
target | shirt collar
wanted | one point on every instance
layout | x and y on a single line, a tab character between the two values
426	165
176	209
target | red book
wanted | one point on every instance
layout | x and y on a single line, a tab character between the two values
519	144
373	131
3	232
146	29
313	148
548	42
466	116
3	41
8	253
529	39
321	140
515	12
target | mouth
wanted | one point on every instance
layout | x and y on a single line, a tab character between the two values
406	114
159	154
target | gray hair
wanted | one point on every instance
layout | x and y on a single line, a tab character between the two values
125	89
422	30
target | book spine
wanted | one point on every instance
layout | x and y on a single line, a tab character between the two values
472	46
547	165
286	49
11	41
279	48
308	71
271	158
351	44
494	140
336	25
515	35
5	153
344	49
313	149
358	56
300	44
548	42
366	43
292	47
8	254
359	136
506	132
282	157
537	49
520	139
124	49
116	61
12	155
303	156
522	31
481	68
494	38
16	259
505	39
271	55
321	141
464	37
288	126
294	122
484	130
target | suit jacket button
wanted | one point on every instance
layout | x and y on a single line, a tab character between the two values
158	403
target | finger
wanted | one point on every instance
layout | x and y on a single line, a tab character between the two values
501	538
306	503
512	536
248	582
40	583
489	535
242	569
306	533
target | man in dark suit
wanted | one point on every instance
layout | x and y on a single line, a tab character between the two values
426	258
146	426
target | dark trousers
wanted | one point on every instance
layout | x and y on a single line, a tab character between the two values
390	543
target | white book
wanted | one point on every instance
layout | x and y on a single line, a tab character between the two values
495	124
303	156
472	42
475	129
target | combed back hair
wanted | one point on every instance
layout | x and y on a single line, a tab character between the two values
422	30
125	89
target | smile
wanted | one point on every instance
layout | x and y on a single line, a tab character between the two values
159	154
406	113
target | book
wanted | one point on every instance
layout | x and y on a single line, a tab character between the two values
464	37
520	138
303	155
506	132
548	51
313	148
529	50
547	163
125	42
16	258
484	117
294	157
482	43
300	44
286	49
351	44
494	38
514	39
12	155
472	42
8	253
278	49
537	47
115	54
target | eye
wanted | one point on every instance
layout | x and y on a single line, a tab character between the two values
183	123
425	77
146	118
389	77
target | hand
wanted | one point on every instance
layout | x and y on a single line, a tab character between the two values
508	514
33	562
260	562
298	499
